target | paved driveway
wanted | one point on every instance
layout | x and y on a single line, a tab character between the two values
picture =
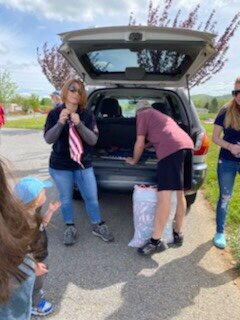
97	280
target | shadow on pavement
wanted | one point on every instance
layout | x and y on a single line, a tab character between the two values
172	288
92	264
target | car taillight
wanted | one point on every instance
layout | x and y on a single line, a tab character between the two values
202	144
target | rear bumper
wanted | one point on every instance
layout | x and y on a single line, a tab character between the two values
123	178
199	174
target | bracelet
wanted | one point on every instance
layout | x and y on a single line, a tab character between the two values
229	146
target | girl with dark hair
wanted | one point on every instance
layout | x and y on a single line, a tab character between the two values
17	267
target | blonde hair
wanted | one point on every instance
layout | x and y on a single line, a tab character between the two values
142	104
83	96
232	118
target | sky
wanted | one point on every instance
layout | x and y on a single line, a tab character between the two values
27	24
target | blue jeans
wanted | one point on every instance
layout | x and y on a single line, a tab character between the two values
227	171
86	183
19	305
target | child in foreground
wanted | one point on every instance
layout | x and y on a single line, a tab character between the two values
17	266
31	192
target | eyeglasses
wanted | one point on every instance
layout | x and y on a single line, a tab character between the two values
74	90
235	93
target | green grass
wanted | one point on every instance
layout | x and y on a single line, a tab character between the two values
210	187
36	122
204	116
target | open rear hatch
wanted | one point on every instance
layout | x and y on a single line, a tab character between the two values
139	55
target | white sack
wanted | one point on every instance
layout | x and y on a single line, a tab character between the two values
144	206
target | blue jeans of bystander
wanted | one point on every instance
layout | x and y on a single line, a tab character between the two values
86	182
20	303
227	171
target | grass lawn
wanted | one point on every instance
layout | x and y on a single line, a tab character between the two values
210	187
36	122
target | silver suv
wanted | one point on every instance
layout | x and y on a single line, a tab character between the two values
126	64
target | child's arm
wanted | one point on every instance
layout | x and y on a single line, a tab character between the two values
53	207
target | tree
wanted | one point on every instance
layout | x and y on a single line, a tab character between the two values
7	87
57	69
33	102
213	107
153	60
45	102
27	102
21	101
54	66
206	106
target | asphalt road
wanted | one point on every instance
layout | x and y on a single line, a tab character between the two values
97	280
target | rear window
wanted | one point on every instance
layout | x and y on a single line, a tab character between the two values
162	62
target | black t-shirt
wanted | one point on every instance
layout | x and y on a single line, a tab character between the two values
229	134
60	156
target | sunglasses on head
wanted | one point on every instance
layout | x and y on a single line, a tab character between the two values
235	93
74	90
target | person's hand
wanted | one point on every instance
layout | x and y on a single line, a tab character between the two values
130	160
40	268
64	114
75	118
238	155
235	149
52	207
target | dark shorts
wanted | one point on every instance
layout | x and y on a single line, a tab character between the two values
175	171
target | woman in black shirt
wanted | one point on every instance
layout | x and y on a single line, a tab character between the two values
73	131
226	134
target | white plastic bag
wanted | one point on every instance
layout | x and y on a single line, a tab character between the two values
144	206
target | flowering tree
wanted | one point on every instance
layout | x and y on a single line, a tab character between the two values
153	59
57	69
7	87
54	66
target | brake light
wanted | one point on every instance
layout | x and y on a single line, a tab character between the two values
202	144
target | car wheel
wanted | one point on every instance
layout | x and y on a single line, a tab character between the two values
190	200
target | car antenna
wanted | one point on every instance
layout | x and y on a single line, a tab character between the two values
188	89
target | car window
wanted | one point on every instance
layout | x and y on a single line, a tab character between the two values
128	106
117	60
121	102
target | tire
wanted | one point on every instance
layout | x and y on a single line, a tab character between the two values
190	200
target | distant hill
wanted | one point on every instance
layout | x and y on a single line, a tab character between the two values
208	97
201	100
